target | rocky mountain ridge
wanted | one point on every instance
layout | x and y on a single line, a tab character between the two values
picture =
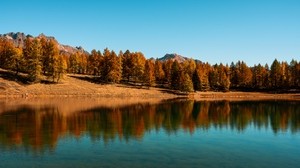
19	39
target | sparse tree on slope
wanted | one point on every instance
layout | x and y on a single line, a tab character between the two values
33	59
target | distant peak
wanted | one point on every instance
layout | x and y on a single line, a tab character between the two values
173	57
19	39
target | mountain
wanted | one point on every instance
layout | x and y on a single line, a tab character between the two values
173	57
19	38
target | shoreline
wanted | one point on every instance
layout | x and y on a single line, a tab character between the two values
75	88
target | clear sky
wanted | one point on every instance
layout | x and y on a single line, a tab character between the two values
214	31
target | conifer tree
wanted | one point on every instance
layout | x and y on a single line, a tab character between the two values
33	60
138	66
275	74
185	82
94	63
175	75
196	80
167	67
115	68
127	65
149	75
159	72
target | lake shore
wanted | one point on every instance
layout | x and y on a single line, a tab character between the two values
72	87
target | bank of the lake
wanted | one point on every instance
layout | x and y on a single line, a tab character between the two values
74	87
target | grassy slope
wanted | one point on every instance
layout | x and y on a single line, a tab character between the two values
74	87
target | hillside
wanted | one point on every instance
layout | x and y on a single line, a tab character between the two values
73	86
76	86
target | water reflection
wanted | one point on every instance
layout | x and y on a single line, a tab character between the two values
40	128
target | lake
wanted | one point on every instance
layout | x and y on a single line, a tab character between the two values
170	133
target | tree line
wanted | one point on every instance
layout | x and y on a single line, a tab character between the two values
40	57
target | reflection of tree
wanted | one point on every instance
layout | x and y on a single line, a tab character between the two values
39	129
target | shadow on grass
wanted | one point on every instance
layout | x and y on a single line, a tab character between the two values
11	76
22	78
88	78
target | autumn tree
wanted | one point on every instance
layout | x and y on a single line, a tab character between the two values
175	75
60	68
214	78
275	74
111	69
138	68
94	61
295	73
10	56
202	72
83	63
159	72
74	63
189	67
127	65
259	77
244	75
196	80
224	79
167	67
50	58
115	71
32	53
16	62
149	74
7	52
185	82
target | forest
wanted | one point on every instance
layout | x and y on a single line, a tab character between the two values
40	59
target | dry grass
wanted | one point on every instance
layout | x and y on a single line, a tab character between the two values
73	87
78	88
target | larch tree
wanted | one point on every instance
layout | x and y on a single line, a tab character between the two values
295	73
127	65
258	77
224	79
50	58
244	75
83	63
60	69
189	67
214	78
196	80
94	61
105	64
275	74
74	63
115	68
175	75
111	70
138	66
17	61
10	56
167	67
33	60
185	82
149	74
159	72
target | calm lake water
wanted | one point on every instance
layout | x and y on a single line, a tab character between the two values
167	134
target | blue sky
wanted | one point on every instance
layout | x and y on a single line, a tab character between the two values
214	31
